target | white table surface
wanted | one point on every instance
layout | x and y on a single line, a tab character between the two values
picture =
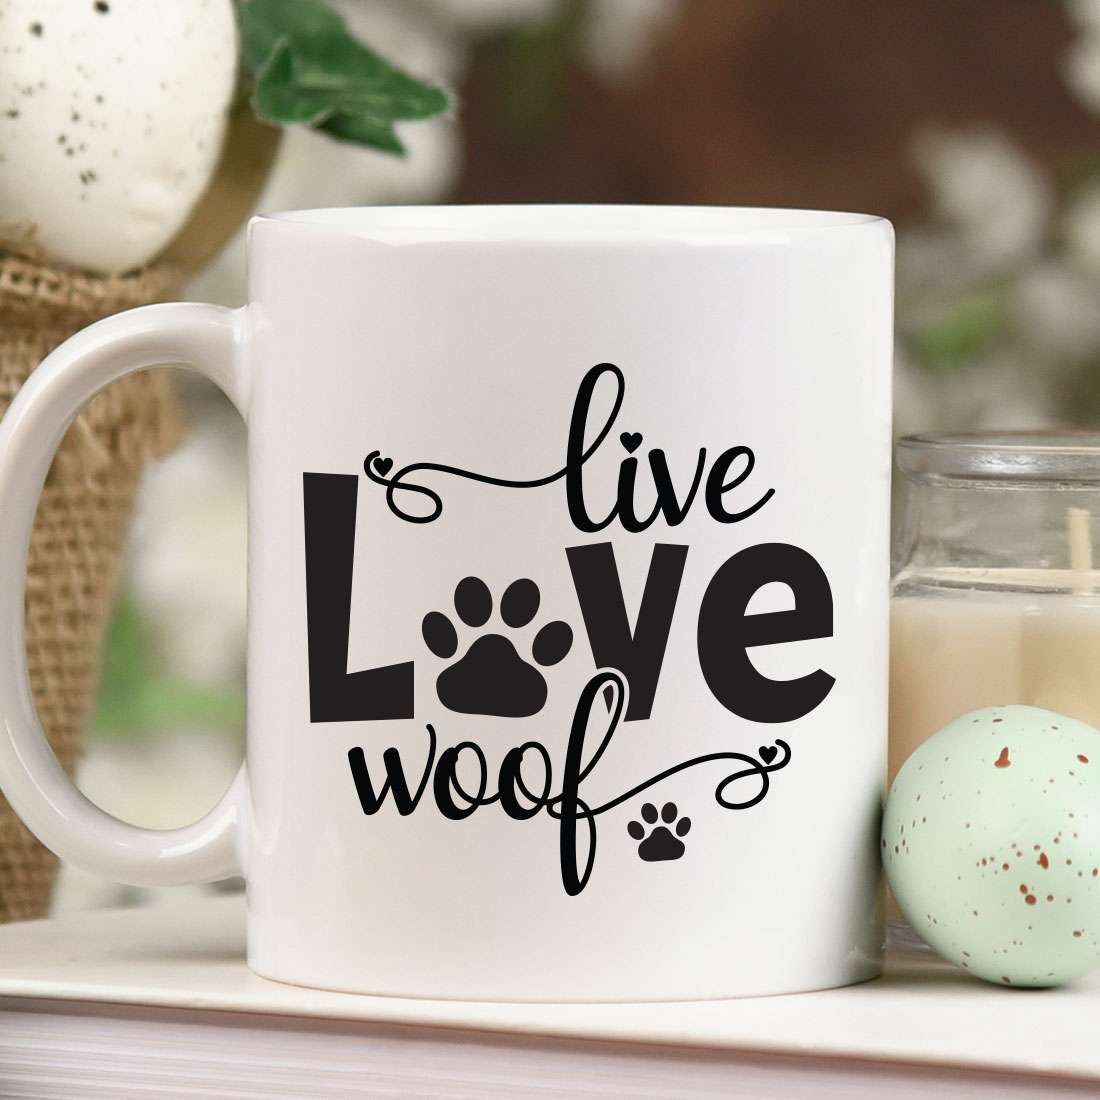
191	956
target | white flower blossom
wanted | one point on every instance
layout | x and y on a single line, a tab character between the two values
1081	229
915	406
188	554
1085	13
934	268
995	234
987	192
408	34
617	35
1081	69
1081	65
1055	310
1000	392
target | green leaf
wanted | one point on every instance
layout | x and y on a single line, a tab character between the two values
265	22
308	70
136	698
533	63
961	334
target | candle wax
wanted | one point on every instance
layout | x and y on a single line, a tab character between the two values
953	650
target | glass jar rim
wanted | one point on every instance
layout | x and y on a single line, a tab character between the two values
1064	455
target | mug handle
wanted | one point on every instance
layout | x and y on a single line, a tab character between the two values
211	340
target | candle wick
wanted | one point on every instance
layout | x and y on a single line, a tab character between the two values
1080	549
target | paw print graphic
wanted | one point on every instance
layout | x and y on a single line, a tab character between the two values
660	844
491	677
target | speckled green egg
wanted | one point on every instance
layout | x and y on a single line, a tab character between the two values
991	844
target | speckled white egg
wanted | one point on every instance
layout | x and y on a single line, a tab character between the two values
991	844
112	114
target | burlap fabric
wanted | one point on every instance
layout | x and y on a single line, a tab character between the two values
81	526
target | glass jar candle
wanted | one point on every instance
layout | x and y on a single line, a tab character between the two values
995	598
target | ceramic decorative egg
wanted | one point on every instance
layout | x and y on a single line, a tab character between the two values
991	844
112	114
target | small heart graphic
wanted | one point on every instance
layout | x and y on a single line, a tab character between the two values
767	753
631	440
382	465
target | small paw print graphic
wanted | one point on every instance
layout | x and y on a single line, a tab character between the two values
492	678
660	844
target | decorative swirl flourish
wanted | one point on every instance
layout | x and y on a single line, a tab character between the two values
377	468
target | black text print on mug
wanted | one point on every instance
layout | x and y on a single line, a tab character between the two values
514	687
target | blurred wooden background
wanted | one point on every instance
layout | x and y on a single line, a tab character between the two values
756	102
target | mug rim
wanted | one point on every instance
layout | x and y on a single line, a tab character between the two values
615	222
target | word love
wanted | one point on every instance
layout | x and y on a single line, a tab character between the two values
724	632
726	473
523	798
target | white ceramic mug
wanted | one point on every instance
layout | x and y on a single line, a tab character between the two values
567	596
